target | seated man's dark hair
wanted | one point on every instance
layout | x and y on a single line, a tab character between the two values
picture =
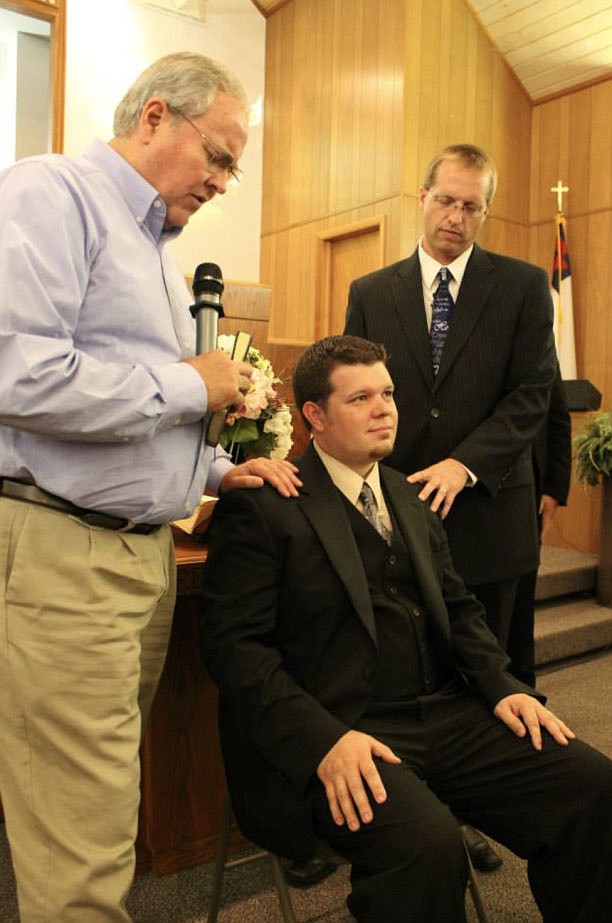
311	378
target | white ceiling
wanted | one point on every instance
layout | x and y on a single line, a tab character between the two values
551	45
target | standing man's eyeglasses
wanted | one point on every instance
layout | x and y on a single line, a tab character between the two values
219	161
447	204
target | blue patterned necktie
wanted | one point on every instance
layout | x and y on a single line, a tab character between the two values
369	508
441	310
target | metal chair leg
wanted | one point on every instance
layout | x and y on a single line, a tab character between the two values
222	863
474	890
282	889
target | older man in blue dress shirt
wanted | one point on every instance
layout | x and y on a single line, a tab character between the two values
103	407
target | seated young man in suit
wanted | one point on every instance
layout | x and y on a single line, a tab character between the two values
364	700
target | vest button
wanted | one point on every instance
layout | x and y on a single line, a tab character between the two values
434	412
392	559
393	590
416	613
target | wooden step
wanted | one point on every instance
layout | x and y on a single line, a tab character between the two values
568	629
564	571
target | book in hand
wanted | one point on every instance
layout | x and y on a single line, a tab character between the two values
198	522
242	341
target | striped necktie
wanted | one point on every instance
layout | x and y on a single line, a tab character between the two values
369	508
441	310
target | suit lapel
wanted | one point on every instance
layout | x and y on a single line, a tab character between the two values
408	304
321	503
476	287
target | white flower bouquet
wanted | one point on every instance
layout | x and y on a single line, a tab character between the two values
262	426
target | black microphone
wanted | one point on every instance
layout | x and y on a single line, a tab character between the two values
207	287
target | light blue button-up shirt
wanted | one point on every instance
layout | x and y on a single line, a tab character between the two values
95	405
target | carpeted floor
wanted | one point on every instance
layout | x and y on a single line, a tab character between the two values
580	693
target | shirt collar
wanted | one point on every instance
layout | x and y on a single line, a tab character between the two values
143	200
347	480
431	267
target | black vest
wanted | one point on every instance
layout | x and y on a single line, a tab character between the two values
410	663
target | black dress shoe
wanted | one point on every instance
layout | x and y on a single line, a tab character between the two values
483	857
304	874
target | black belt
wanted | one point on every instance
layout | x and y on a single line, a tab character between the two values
30	493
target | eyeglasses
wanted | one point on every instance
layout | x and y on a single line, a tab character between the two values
447	204
219	161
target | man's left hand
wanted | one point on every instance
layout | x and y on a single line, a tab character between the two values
548	509
443	481
279	473
525	715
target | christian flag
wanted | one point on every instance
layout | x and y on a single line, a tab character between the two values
562	300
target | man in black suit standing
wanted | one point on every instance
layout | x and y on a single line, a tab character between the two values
363	697
471	406
471	353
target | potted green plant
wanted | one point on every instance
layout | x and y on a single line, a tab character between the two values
593	456
593	449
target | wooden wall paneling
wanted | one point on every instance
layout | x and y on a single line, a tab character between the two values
549	155
246	306
580	118
363	143
509	145
342	88
395	232
410	228
422	112
583	295
388	137
454	101
308	121
459	89
588	236
577	525
344	253
483	67
278	138
600	148
592	253
290	263
413	104
323	106
506	237
366	77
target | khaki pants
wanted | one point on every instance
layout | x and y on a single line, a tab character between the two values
85	619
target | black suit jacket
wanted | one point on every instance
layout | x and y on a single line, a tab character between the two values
485	406
288	634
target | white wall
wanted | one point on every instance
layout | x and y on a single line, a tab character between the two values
108	44
11	24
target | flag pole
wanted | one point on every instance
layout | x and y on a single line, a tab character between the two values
561	292
559	221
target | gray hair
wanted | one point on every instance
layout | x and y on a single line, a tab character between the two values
470	156
188	82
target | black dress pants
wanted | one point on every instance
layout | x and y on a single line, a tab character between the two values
552	807
521	640
498	600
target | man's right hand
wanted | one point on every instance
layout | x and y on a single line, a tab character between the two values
343	770
226	381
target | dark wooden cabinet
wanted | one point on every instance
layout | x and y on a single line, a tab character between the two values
182	782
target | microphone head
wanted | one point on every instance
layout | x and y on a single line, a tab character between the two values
207	280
